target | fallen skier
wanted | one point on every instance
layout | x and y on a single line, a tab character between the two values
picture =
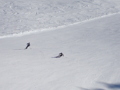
60	55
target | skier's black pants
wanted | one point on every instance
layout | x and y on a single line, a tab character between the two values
27	47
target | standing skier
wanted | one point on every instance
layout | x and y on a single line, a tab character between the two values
28	45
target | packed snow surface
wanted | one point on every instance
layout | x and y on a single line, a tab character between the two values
88	36
19	16
91	58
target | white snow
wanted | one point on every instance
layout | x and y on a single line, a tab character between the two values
91	48
28	15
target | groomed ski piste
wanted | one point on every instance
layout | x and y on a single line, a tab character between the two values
91	61
91	58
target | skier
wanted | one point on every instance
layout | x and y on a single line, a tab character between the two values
60	55
28	45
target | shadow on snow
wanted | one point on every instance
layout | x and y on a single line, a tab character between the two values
107	85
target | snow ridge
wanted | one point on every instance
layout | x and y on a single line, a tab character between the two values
25	16
53	28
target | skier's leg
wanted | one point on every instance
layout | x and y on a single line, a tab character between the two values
26	47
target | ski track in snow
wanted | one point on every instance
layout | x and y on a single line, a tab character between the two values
54	28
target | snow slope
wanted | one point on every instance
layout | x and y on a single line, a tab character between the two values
91	61
18	16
